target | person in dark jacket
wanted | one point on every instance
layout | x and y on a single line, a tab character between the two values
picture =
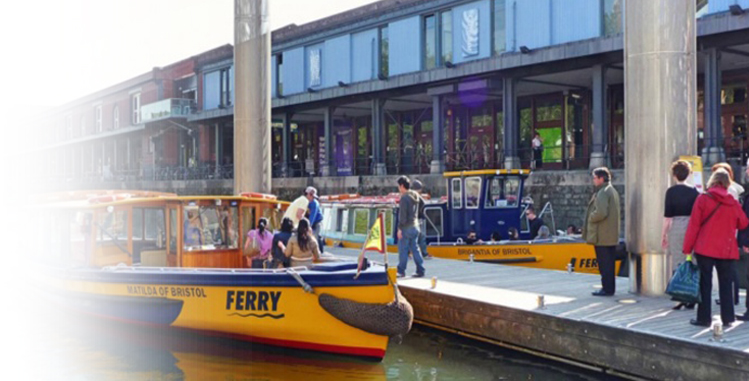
418	187
408	228
534	222
711	234
744	244
280	240
601	228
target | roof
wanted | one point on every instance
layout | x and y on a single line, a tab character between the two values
498	172
98	198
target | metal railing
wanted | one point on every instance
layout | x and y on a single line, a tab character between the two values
167	108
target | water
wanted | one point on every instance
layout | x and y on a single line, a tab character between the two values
95	350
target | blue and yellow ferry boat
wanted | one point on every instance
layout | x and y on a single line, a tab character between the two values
484	201
165	260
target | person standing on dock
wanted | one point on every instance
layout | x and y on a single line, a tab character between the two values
711	234
744	244
680	199
422	241
408	230
601	228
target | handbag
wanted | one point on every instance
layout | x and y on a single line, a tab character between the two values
685	284
254	248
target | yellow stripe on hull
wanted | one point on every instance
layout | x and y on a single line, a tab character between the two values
287	316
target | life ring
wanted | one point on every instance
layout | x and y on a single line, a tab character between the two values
339	197
108	198
262	196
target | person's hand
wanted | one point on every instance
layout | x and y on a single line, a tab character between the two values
664	242
745	248
400	234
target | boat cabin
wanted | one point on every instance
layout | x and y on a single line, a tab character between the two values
162	230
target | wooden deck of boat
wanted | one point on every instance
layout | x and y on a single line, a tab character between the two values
628	335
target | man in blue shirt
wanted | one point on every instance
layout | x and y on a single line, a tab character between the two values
315	214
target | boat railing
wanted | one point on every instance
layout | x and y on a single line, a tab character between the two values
439	232
548	209
122	267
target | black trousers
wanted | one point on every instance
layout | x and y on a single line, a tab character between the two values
725	269
606	258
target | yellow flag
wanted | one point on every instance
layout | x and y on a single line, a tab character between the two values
376	240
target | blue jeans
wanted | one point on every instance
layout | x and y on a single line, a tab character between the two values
422	241
406	244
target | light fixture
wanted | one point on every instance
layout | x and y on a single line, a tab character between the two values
382	77
342	84
736	9
449	65
524	49
311	90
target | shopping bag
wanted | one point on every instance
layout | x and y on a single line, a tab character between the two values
685	284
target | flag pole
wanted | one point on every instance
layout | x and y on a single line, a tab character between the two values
361	254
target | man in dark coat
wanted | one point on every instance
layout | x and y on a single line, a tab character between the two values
534	222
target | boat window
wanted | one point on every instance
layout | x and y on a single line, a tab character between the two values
434	222
248	219
80	238
388	220
328	217
149	225
172	231
210	227
112	227
524	225
502	192
361	221
457	191
342	220
274	217
473	192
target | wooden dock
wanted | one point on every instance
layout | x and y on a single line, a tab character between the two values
626	335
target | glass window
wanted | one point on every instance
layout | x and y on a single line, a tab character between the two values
274	217
549	110
473	192
97	118
116	118
226	86
155	225
481	117
502	192
342	220
434	226
112	227
361	221
279	74
80	238
172	231
248	219
210	227
500	39
135	107
388	220
384	52
731	94
446	19
612	17
137	224
457	193
430	42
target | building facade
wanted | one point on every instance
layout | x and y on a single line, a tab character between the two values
402	87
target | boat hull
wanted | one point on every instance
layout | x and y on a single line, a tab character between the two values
258	307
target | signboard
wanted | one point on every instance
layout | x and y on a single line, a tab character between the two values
470	32
695	179
344	155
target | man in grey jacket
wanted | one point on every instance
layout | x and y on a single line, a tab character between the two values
408	230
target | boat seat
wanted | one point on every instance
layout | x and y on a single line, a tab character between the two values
153	258
337	266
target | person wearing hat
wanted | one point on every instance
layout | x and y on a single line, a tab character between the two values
418	187
315	215
298	208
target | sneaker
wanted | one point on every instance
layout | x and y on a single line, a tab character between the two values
744	317
417	275
699	323
400	275
427	257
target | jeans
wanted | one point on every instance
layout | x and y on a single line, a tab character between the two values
725	289
406	244
422	241
606	258
318	237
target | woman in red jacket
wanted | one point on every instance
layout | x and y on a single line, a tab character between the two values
711	234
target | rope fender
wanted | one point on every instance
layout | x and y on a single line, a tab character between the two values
391	319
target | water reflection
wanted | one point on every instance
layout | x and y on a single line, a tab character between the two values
93	350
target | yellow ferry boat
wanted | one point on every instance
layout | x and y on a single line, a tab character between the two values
486	202
177	261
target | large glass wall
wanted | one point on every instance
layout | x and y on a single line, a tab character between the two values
430	42
499	33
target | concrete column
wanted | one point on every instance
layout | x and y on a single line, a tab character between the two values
599	152
438	135
286	144
328	169
713	151
660	94
252	91
512	128
378	136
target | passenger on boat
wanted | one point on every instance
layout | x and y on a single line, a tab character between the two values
315	215
572	230
534	222
302	249
496	236
193	230
422	241
472	238
408	230
513	234
543	233
261	239
680	199
280	240
298	208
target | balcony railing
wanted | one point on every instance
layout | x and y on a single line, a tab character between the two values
167	108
